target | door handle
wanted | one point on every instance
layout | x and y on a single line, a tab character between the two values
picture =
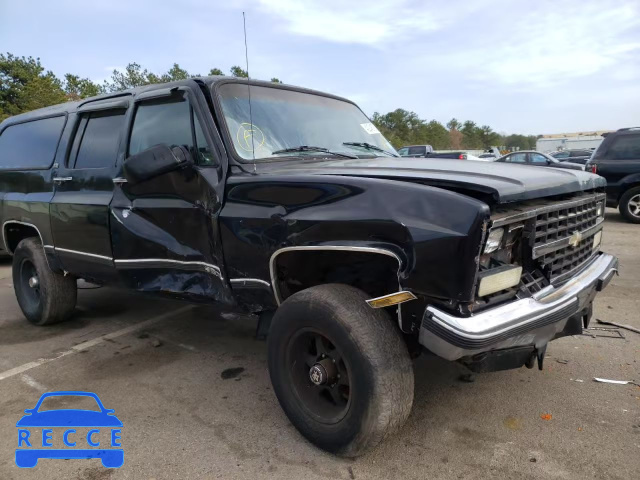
62	179
119	180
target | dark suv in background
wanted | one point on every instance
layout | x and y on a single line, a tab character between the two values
618	160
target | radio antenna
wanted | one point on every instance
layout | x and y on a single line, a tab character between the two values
246	57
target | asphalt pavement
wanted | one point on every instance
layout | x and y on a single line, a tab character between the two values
191	387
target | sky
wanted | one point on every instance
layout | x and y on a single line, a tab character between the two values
519	66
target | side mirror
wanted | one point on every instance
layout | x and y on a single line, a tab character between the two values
155	161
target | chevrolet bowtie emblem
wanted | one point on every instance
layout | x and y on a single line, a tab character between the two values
575	239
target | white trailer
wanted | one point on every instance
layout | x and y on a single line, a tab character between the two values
552	143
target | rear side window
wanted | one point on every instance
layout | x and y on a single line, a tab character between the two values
625	147
537	158
170	123
580	153
418	150
98	139
30	144
517	158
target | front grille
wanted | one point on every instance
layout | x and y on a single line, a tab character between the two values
557	224
566	259
561	223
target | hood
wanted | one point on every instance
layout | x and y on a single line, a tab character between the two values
503	182
569	165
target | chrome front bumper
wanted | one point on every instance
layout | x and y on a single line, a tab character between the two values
528	321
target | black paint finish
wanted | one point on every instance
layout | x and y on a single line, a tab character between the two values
216	233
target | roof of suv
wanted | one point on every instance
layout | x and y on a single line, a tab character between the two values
208	81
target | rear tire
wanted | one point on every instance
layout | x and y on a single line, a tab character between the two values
45	297
329	332
630	205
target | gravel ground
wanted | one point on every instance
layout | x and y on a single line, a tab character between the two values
191	387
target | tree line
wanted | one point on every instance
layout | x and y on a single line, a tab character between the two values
402	128
26	85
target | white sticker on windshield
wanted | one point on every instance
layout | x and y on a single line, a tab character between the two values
370	128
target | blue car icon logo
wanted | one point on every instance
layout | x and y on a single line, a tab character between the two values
37	428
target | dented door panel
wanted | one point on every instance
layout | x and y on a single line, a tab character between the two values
165	237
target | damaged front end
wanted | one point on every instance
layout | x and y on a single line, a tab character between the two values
536	281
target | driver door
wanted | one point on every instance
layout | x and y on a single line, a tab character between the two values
164	230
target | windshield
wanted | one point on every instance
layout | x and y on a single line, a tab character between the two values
285	119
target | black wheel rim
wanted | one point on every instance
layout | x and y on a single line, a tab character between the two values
311	356
30	284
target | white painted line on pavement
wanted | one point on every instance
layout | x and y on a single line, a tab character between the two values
91	343
33	383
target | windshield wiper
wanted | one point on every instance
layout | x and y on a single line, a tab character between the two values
307	148
368	146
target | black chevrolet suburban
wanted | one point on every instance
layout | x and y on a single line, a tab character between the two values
617	159
289	204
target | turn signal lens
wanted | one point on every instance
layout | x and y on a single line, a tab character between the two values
495	282
391	299
494	240
597	238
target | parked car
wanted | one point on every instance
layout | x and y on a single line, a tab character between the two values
618	160
415	151
470	156
454	155
573	156
538	159
355	261
427	151
491	154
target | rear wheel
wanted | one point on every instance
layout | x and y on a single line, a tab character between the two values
630	205
45	297
340	369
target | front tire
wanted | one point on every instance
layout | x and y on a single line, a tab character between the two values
340	369
45	297
630	205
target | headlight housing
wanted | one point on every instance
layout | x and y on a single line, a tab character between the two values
494	240
498	279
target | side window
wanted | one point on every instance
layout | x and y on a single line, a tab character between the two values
625	147
561	155
169	122
203	153
98	139
516	158
30	144
417	151
403	152
537	159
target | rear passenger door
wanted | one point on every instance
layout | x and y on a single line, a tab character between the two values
84	189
